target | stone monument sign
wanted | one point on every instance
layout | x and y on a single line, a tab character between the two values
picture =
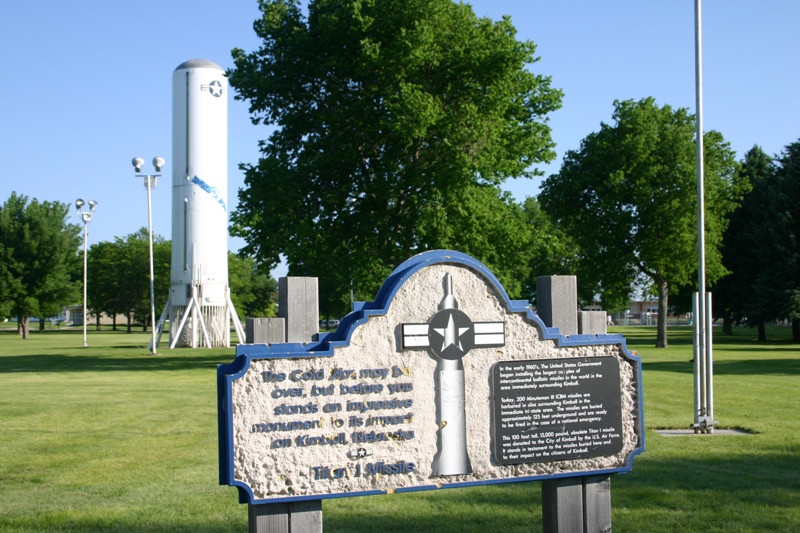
442	381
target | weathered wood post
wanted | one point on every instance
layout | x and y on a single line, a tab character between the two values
572	504
304	517
298	304
298	307
265	330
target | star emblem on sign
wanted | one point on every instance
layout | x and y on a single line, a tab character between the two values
451	334
359	453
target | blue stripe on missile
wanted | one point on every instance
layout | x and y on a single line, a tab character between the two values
210	190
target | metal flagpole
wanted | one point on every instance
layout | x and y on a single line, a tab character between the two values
703	418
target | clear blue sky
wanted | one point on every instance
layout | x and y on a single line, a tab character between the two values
88	84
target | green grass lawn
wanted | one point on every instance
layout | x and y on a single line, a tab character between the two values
110	438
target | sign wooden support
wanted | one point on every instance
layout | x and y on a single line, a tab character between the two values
576	504
573	504
299	313
285	517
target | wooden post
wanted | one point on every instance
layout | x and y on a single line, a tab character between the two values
272	518
576	504
595	322
596	504
562	505
298	303
298	299
596	489
265	330
557	302
303	517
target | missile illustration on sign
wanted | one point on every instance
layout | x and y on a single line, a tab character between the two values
450	335
199	309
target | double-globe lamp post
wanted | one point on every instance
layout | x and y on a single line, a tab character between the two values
150	182
86	216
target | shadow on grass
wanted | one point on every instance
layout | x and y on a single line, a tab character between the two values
72	331
82	363
768	479
748	367
765	348
506	507
111	525
683	335
767	470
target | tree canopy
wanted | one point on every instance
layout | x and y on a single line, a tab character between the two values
550	252
762	245
628	198
734	295
396	120
38	259
776	287
253	291
119	281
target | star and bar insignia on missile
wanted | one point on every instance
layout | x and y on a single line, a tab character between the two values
215	88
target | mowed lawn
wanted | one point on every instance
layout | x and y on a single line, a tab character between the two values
110	438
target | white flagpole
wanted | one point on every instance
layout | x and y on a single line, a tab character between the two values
703	419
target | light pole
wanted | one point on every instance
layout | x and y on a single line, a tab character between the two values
150	182
86	216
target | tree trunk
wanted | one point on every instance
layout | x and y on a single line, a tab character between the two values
128	316
762	332
114	322
727	323
41	324
98	321
796	330
24	322
663	302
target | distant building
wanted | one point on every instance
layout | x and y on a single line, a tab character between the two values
640	313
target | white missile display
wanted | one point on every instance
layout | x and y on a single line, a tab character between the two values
200	310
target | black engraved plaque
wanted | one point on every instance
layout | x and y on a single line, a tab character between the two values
556	409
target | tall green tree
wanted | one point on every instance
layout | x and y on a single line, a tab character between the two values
104	290
628	197
253	290
735	297
551	251
38	258
397	120
778	283
119	281
162	262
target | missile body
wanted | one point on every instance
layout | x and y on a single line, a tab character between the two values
200	309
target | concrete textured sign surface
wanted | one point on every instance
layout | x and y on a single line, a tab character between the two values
441	381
